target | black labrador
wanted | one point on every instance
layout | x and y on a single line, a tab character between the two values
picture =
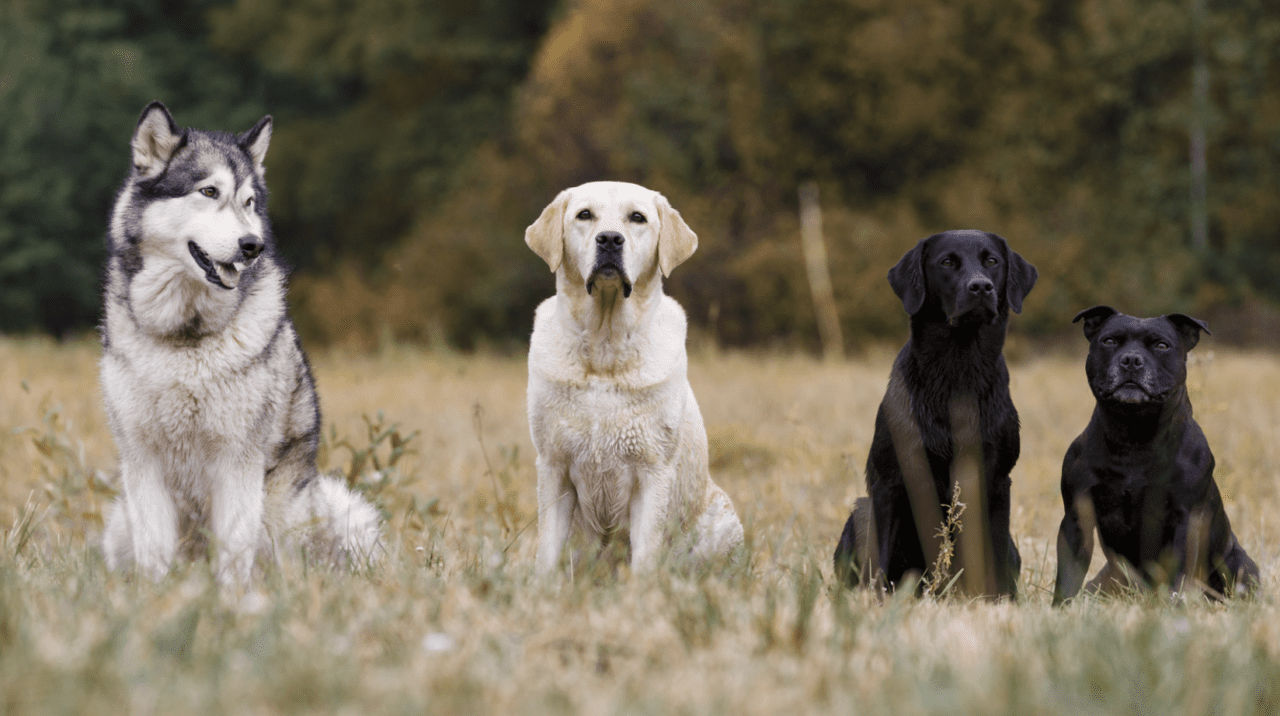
946	419
1141	473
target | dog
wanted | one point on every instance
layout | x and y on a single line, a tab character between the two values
946	420
622	450
207	390
1141	473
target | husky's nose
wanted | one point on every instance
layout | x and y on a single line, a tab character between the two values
251	246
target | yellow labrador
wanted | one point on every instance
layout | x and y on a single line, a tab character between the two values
621	445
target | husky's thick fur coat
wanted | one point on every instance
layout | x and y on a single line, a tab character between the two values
207	390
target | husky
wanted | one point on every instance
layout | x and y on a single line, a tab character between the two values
208	392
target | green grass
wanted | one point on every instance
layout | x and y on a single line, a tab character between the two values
453	621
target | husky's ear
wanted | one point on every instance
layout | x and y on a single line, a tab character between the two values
1188	329
155	140
1094	318
1020	278
546	235
907	277
676	241
255	142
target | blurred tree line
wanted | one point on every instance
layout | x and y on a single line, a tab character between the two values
415	141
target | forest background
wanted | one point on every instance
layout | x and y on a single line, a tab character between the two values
414	141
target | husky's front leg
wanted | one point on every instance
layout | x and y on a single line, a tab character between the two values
150	517
238	495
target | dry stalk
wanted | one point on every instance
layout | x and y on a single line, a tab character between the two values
940	579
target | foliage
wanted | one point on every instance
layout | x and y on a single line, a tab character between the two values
74	74
414	142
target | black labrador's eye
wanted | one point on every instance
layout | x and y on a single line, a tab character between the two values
585	215
637	218
948	263
209	191
1108	341
1162	346
992	261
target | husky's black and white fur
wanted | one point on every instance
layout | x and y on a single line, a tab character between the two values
209	394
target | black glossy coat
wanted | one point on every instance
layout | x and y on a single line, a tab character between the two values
958	287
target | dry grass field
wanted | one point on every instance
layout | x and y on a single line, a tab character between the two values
453	622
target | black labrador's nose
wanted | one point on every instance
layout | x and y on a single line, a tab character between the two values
1131	361
605	238
251	246
981	285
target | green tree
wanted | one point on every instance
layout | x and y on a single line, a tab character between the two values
74	74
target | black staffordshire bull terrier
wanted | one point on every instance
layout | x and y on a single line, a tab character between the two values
946	419
1141	473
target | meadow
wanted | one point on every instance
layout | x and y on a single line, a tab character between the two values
452	621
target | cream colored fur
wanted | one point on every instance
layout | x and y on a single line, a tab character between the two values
621	444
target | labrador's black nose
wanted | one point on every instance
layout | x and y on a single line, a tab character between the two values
605	238
981	285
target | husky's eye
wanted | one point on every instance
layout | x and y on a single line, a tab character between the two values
638	218
248	202
210	191
585	215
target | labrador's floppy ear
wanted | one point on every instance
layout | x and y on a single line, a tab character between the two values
155	140
1094	318
676	241
1020	278
1188	329
907	278
546	235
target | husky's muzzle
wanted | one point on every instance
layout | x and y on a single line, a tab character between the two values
222	274
609	265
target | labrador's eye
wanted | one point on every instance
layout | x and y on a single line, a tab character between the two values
638	218
210	191
948	263
585	215
1108	341
1162	346
992	261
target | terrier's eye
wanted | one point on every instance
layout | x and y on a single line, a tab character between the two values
638	218
210	191
585	215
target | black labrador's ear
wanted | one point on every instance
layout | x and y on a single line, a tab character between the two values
1188	329
907	278
1094	318
1021	277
